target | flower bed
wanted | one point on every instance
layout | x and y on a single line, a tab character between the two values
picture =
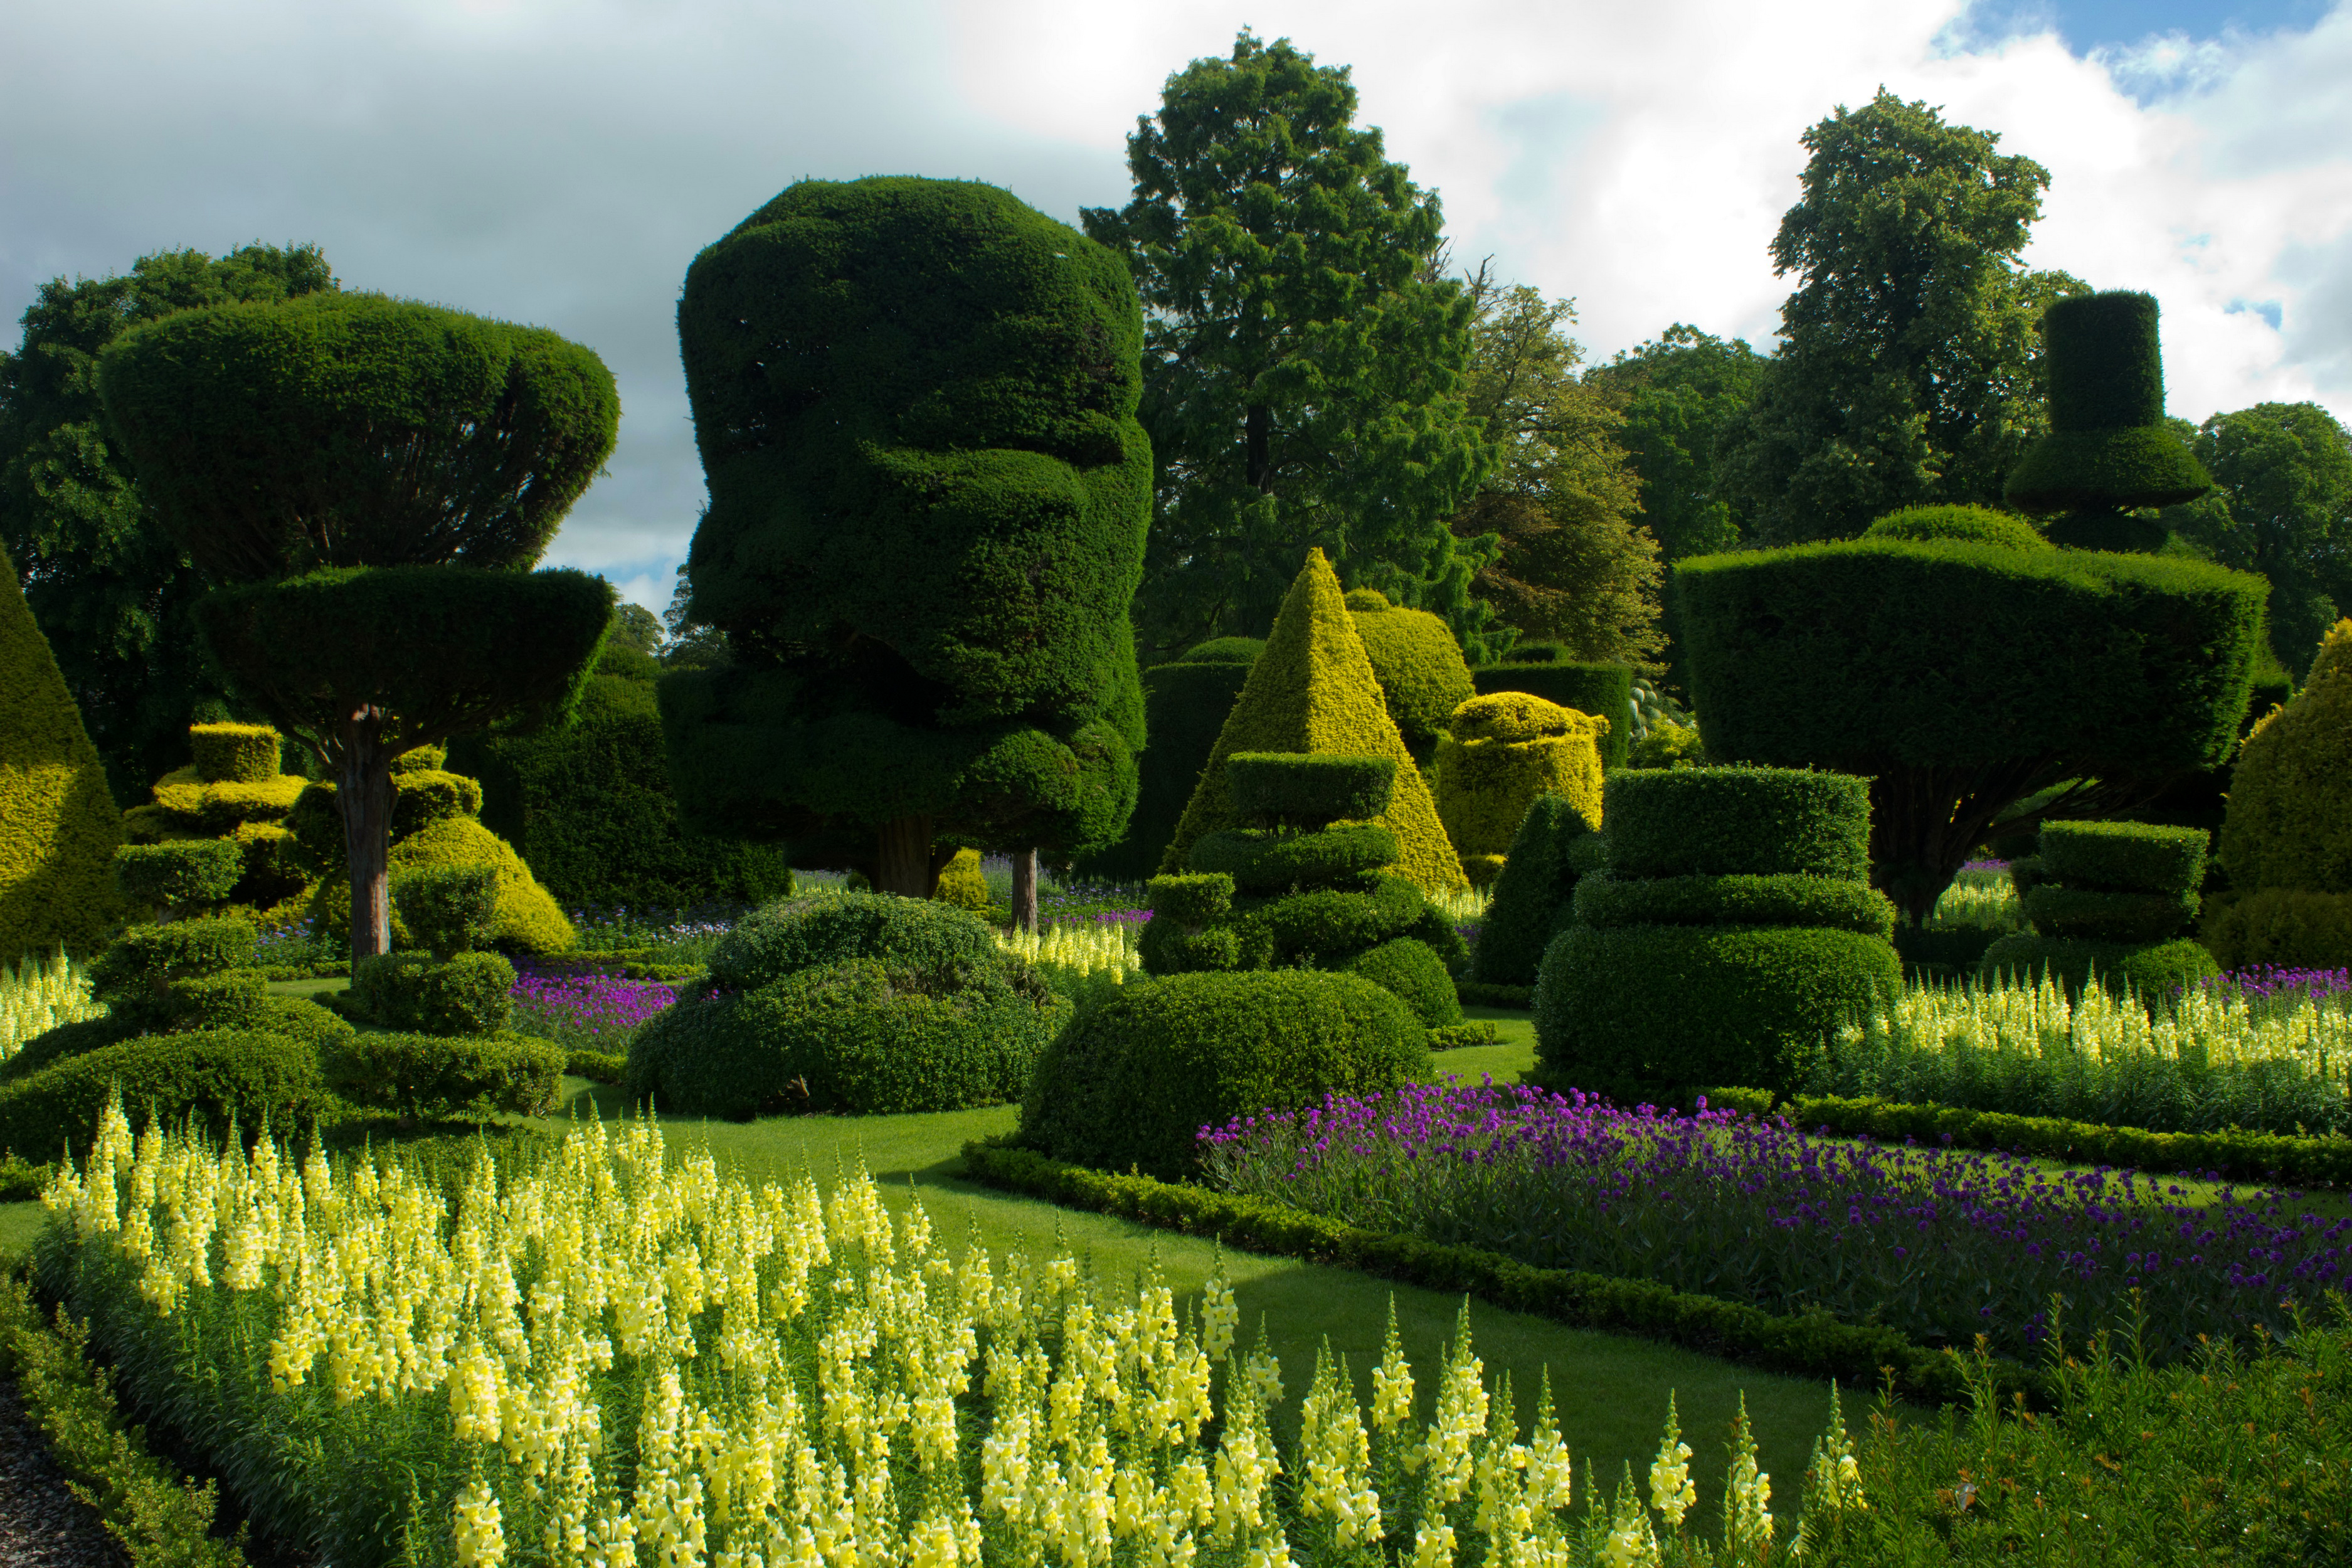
585	1012
1941	1245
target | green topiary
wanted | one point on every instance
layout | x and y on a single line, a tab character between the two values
2108	444
1193	899
2150	970
2285	926
1502	752
424	796
2122	857
252	1080
471	993
962	883
1532	895
236	753
926	525
1653	1013
2289	823
1419	665
1328	927
185	876
147	958
2072	912
802	933
1413	973
1739	821
528	918
1184	707
1771	900
448	910
58	827
1133	1085
862	1036
1964	524
2103	898
432	1077
1313	690
1262	861
1601	691
1307	790
1243	651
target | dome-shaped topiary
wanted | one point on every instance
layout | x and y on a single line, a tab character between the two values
1968	524
1223	650
528	920
1423	675
793	934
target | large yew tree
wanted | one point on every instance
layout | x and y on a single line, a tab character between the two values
367	483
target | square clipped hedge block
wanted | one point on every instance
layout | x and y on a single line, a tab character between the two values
1310	789
2124	857
1193	900
235	753
1737	822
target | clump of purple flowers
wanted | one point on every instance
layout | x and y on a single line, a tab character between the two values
585	1012
2262	981
1940	1243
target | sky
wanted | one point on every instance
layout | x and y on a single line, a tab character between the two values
560	161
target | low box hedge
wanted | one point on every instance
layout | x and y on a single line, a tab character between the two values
1480	994
1810	1345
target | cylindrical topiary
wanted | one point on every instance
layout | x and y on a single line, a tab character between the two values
1134	1083
2107	899
1603	690
1500	753
1733	934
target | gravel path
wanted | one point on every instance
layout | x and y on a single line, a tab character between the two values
43	1525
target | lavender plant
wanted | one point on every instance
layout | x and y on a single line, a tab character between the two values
1941	1245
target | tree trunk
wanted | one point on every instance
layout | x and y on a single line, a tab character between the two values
905	864
364	793
1025	888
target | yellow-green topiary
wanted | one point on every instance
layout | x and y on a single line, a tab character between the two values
236	753
1312	690
1503	751
58	827
962	883
2286	839
1422	676
233	790
528	920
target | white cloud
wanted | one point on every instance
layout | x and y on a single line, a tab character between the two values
562	162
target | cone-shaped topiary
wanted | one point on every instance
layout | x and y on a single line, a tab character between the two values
2108	446
2286	839
1551	851
1312	690
58	827
1502	751
1422	676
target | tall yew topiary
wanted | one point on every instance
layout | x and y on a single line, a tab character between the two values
58	827
368	482
915	401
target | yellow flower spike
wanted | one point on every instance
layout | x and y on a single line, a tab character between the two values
1458	1421
1392	1380
1335	1455
1631	1543
1748	1495
1672	1491
476	1527
1550	1472
1220	1316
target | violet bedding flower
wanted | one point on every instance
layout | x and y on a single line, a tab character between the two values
1940	1243
592	1012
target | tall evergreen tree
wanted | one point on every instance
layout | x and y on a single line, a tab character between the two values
1909	368
109	586
1303	357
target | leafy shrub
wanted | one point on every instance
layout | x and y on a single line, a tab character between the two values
216	1075
236	753
1184	707
424	796
468	994
433	1078
1417	663
1269	860
1135	1083
528	920
147	958
2284	926
1654	1012
1192	899
2123	857
1603	690
1781	900
2289	823
185	874
448	910
1330	926
800	933
962	883
1305	789
1668	744
2152	970
864	1035
1739	821
1532	895
1410	971
1964	524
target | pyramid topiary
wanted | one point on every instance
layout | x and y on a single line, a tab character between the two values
58	827
2286	839
1312	690
1502	751
233	792
2108	448
1422	676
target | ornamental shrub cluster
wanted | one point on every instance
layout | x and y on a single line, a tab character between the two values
863	1003
2109	899
1729	932
235	794
1545	670
58	827
1422	676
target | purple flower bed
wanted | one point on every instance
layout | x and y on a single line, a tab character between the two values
1986	866
1942	1245
585	1012
2262	982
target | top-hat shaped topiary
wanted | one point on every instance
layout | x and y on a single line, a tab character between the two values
2108	448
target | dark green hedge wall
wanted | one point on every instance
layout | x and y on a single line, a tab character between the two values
1184	707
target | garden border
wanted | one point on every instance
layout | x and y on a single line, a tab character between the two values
1811	1345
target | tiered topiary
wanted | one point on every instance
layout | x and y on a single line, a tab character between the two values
2287	840
1733	930
58	827
1313	690
1422	676
1544	669
2108	448
1132	1084
1184	705
235	793
1501	752
1297	891
435	823
1962	524
862	1003
2108	900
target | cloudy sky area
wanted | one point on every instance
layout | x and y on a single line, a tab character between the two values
559	161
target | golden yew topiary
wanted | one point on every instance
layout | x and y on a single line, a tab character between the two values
1312	690
1501	751
58	827
2287	840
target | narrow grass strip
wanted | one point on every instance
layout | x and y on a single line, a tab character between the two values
1807	1345
2245	1156
162	1518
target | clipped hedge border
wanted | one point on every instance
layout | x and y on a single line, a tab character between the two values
2270	1156
1812	1345
154	1511
1481	993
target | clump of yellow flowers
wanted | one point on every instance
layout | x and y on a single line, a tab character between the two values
635	1359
